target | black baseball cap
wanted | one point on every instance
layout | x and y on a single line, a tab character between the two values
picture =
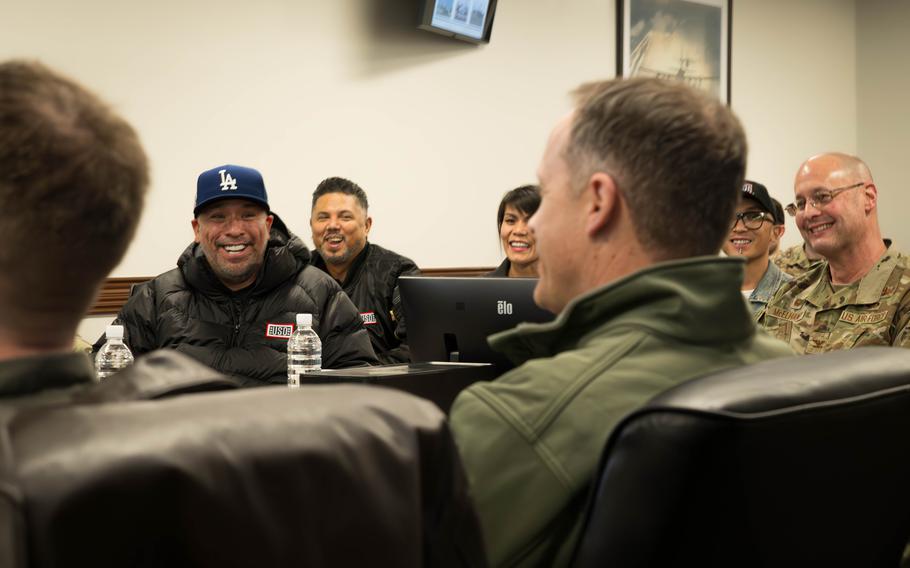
758	192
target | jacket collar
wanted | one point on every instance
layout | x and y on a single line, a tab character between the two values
29	375
770	281
503	269
681	299
285	256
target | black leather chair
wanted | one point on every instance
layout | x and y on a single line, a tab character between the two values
319	476
796	462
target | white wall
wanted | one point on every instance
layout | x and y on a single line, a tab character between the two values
794	76
434	130
883	82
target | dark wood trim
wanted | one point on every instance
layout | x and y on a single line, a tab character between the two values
115	291
470	271
114	294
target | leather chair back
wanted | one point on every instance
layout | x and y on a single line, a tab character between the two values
319	476
792	462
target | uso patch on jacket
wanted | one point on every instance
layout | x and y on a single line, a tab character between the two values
279	330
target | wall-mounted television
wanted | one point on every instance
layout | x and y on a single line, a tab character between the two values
467	20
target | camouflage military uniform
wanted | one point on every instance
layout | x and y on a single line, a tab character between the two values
794	261
812	316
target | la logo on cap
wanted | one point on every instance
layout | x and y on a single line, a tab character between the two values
227	181
747	187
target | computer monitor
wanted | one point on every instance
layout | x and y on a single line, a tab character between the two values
467	20
450	318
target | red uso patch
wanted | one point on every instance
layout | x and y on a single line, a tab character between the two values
279	330
369	318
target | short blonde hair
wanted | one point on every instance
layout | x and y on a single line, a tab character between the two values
677	155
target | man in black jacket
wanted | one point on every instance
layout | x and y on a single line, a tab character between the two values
368	273
232	300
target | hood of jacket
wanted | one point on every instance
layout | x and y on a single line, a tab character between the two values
285	256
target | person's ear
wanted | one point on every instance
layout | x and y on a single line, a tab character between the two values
195	224
603	198
871	197
777	231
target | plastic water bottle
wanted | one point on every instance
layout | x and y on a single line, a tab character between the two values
304	350
114	354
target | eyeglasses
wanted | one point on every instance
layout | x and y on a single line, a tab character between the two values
752	219
819	199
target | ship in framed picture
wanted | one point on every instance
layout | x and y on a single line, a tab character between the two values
685	40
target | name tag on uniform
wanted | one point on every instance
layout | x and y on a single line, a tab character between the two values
279	330
783	314
864	317
369	318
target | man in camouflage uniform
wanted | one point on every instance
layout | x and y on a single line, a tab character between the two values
861	294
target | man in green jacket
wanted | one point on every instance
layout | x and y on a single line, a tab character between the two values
638	185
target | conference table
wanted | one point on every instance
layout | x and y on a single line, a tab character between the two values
439	382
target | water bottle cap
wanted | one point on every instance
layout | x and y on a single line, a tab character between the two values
304	320
114	332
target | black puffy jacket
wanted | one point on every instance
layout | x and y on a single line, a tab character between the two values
372	284
244	334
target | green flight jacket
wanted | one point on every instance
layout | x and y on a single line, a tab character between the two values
531	439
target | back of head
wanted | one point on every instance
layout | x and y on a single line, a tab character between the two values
73	177
677	155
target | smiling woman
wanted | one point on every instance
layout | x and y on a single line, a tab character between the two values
516	207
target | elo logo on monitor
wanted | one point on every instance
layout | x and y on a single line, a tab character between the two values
504	308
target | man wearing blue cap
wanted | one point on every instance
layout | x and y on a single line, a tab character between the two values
232	300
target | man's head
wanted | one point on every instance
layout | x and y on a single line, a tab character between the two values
643	170
757	226
73	177
835	203
232	222
340	221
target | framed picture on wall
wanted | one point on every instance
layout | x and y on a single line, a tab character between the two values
688	40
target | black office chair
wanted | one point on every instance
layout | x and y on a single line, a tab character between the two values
794	462
319	476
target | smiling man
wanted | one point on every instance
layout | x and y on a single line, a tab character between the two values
232	300
368	273
644	303
861	294
757	227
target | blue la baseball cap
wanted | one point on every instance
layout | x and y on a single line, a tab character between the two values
229	182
